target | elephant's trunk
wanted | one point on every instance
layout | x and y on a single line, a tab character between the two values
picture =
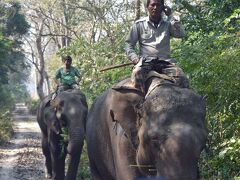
144	157
76	140
74	149
179	153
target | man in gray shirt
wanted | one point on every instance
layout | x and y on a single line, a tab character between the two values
153	34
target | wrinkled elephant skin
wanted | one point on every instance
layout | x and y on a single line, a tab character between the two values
162	137
67	113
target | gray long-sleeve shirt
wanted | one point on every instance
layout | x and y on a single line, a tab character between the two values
153	42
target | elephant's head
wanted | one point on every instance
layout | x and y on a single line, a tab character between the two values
70	111
172	134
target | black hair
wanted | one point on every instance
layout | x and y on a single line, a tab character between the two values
148	2
67	58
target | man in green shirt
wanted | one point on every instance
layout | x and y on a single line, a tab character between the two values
65	77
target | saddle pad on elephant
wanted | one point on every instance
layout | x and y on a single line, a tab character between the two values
125	84
156	80
128	85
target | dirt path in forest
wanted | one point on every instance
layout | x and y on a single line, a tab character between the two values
21	158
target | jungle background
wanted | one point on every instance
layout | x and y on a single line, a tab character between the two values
34	35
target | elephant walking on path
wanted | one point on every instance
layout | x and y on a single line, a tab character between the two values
62	124
130	136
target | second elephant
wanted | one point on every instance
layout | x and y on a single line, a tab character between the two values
67	114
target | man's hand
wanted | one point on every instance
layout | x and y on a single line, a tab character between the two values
167	11
135	60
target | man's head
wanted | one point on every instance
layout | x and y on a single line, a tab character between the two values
155	9
67	60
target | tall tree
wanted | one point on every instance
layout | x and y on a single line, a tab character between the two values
12	62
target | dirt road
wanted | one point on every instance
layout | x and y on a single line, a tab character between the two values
21	158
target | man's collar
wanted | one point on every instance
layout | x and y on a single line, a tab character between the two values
148	20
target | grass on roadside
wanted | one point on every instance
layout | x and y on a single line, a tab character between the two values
6	129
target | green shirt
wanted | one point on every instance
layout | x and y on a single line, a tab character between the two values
67	77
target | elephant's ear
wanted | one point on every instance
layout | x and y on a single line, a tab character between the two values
123	111
59	109
129	126
51	119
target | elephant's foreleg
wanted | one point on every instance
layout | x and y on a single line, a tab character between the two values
46	152
94	172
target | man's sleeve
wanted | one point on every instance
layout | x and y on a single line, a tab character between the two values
176	28
131	41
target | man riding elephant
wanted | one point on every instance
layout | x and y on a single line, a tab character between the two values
65	76
62	123
153	35
161	133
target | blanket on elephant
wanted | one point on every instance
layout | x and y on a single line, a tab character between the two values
153	80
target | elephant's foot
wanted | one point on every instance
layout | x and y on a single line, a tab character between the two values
47	174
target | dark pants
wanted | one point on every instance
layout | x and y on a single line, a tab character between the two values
142	68
62	88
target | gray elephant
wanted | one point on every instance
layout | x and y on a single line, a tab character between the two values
62	124
160	135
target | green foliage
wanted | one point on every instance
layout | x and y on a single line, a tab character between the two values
91	58
5	126
13	67
213	65
5	47
6	97
33	105
210	56
64	140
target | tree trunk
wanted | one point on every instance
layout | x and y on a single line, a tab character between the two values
48	83
40	82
